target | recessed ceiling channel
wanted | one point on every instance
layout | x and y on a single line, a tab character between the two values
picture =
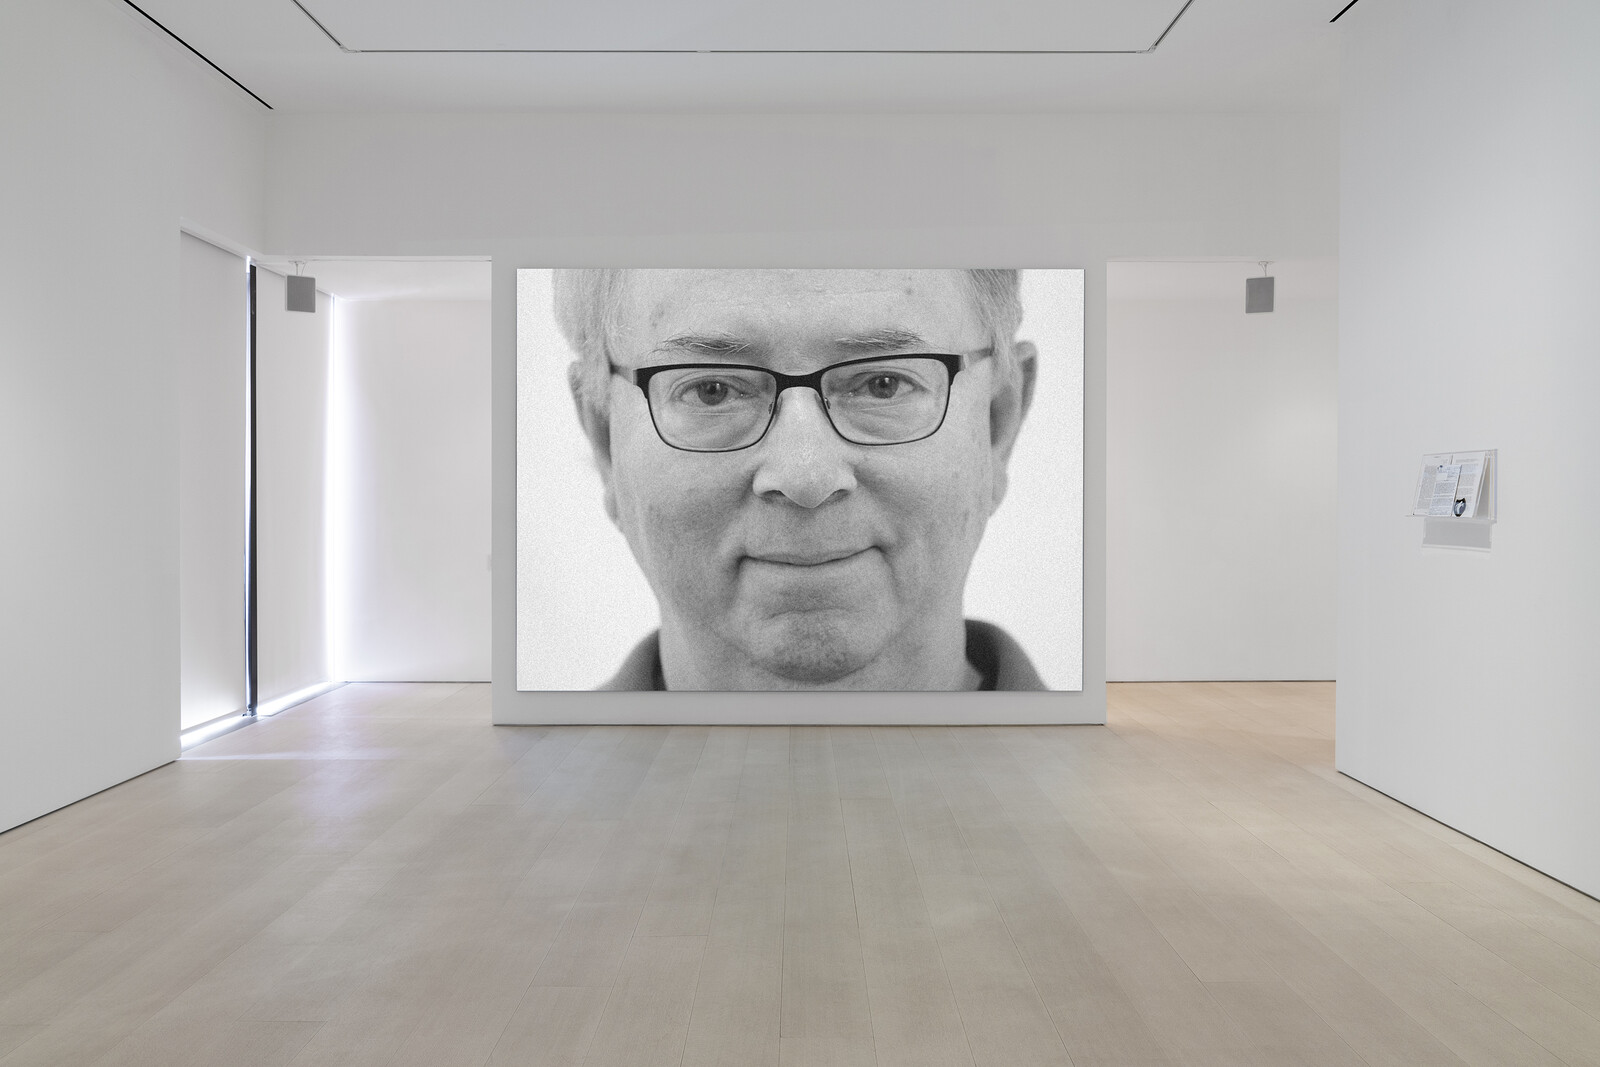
999	27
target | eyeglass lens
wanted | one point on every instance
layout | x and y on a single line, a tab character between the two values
717	409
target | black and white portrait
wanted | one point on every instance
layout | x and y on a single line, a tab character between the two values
764	480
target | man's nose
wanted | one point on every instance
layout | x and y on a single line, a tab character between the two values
802	457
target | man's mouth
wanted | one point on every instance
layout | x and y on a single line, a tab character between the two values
807	557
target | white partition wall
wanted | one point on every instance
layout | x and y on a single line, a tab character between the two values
211	480
1221	471
111	138
1469	224
411	515
292	361
589	190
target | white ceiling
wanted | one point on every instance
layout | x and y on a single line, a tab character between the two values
1222	55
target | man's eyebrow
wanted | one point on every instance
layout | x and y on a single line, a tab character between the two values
704	345
889	340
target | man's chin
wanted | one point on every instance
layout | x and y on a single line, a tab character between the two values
814	648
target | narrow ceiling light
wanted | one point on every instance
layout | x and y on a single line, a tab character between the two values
348	50
1258	291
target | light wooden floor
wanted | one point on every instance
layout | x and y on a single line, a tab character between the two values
379	877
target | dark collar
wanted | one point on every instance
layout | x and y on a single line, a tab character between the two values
1001	662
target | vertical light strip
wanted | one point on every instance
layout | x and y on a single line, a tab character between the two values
335	503
251	678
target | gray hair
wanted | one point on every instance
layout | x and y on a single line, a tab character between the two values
588	304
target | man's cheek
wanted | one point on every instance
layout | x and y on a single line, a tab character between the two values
678	526
937	522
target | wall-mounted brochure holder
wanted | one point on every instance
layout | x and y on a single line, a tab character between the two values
1456	498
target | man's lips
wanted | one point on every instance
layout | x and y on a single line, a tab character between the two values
806	557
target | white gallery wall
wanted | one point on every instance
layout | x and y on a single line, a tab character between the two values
412	506
594	190
212	397
112	138
291	466
1469	224
1221	472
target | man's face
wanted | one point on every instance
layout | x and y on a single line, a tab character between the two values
804	558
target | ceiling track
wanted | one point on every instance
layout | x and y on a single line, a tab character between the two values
749	51
201	55
1342	10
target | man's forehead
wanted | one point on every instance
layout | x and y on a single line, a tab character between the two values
821	305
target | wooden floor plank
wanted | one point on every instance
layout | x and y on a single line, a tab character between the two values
738	996
646	1019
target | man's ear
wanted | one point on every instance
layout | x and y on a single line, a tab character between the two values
597	428
1013	396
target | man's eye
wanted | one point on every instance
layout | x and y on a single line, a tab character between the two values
709	392
884	386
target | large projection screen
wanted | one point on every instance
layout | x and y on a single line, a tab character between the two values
775	540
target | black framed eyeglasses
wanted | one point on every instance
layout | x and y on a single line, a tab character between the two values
723	407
